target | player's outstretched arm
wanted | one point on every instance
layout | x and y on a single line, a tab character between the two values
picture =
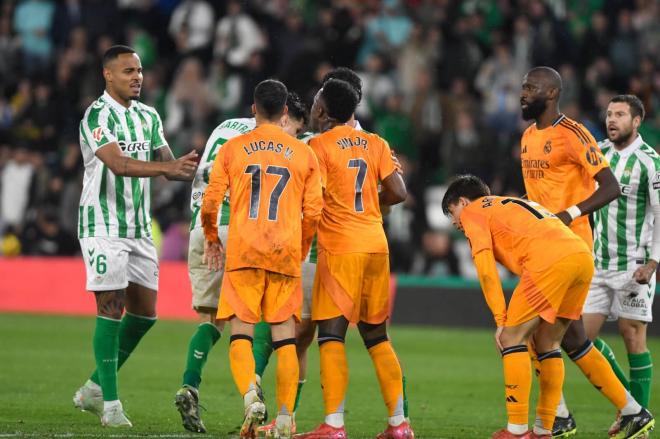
121	165
393	190
608	191
164	154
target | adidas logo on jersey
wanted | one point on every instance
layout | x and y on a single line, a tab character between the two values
134	146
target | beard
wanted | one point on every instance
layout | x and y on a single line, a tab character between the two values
534	109
621	136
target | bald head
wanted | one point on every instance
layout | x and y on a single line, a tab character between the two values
548	76
540	93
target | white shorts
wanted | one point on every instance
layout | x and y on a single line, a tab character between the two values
111	263
308	272
615	294
205	283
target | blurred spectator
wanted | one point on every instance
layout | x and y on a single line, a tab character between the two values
395	126
465	150
33	20
9	50
237	36
385	32
422	51
377	85
68	15
188	102
225	88
15	186
191	26
624	53
45	237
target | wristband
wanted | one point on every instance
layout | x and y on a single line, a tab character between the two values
574	212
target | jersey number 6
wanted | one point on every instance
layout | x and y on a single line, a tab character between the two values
255	194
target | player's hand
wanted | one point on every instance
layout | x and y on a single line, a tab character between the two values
397	163
498	335
213	255
565	217
183	168
645	273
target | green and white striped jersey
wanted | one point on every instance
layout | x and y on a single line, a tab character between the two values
110	205
623	229
226	130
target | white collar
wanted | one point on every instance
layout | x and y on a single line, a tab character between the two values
634	146
116	105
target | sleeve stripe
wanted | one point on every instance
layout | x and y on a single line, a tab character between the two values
578	132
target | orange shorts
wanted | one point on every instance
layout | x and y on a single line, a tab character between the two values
557	292
250	293
583	230
355	285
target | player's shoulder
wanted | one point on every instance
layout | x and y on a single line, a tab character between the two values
95	109
146	108
234	127
605	145
573	130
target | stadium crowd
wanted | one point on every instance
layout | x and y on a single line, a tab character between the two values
441	82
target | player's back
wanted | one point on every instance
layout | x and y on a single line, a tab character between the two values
352	163
559	164
268	171
521	233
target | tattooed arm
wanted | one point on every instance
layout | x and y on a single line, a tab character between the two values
186	173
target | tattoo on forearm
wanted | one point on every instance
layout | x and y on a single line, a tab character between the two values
110	303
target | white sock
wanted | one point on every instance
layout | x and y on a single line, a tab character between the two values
632	407
517	428
250	397
92	385
541	431
107	405
258	379
335	420
562	409
395	420
283	420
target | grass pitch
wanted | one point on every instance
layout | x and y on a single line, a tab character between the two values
454	384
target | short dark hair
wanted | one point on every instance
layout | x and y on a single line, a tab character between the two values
635	104
113	52
340	99
270	98
468	186
297	108
348	75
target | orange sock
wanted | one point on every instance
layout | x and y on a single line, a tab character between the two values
551	380
241	362
334	375
389	374
287	375
599	372
517	383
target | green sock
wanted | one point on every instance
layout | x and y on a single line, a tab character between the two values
641	374
200	345
298	393
405	399
607	352
131	330
106	345
262	347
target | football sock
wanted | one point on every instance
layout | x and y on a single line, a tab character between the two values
562	409
287	375
517	383
551	380
241	362
262	347
388	372
533	356
131	330
204	338
607	352
301	383
405	397
641	375
106	344
334	375
596	368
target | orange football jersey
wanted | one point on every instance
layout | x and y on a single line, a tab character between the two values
352	163
559	164
520	233
276	200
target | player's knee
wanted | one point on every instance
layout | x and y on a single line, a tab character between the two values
634	336
512	337
573	340
304	337
207	315
369	331
326	337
